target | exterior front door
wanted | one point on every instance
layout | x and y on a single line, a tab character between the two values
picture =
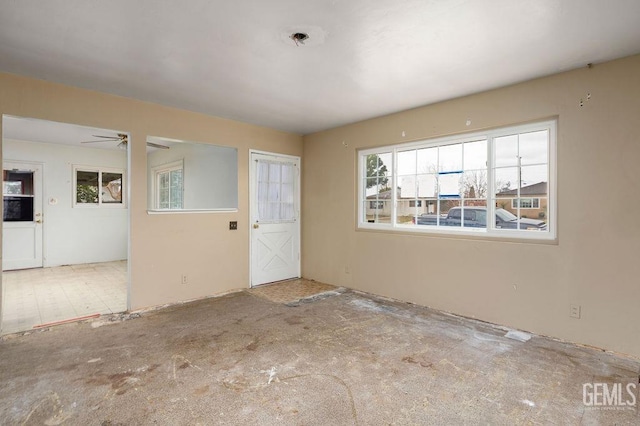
22	216
275	219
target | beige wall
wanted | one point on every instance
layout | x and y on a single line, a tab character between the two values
163	247
595	263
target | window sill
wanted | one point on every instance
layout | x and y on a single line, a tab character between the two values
190	211
468	234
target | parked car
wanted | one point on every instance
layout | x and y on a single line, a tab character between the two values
476	217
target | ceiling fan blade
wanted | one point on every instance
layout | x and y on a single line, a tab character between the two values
155	145
105	140
106	137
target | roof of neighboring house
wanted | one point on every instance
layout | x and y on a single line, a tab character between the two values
386	195
382	195
539	188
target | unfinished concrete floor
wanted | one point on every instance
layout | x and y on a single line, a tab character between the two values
341	359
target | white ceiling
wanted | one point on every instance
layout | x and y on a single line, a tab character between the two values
28	129
364	58
34	130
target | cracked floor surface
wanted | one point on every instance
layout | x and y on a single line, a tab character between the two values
347	358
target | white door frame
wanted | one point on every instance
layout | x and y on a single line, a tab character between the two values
39	210
252	193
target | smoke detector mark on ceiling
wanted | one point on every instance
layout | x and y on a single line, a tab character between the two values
309	35
299	38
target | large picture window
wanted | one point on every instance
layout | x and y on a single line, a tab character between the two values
454	184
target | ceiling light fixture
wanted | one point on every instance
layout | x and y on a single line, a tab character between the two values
299	38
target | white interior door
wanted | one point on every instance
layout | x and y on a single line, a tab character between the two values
275	221
22	216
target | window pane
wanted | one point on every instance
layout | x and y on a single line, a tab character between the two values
427	185
11	188
273	194
475	155
287	209
450	158
450	185
86	187
288	173
474	184
375	183
17	209
474	217
164	200
475	213
274	172
534	175
177	190
377	211
506	151
542	209
407	162
506	182
406	209
408	186
533	147
164	180
17	182
377	193
176	178
428	160
378	170
112	188
445	208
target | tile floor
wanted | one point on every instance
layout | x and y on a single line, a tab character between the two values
291	290
32	297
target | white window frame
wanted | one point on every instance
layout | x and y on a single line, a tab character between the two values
491	231
100	170
534	201
156	172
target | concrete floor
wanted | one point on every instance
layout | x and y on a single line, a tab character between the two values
346	358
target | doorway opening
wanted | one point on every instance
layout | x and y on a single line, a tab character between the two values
65	223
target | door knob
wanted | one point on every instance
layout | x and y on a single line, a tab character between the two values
256	226
39	221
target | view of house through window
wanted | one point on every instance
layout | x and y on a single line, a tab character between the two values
454	184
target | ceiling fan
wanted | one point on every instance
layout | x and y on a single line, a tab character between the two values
122	140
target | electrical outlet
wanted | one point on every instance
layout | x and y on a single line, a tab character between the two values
233	225
185	280
574	311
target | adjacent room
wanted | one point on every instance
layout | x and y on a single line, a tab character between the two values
320	213
65	223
